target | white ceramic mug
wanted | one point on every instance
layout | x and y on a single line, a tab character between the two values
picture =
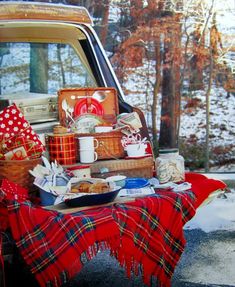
88	143
135	150
88	156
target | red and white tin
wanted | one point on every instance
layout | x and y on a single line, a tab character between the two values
81	171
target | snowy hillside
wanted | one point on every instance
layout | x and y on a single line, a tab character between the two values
222	118
138	89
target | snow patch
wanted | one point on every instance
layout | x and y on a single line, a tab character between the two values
217	215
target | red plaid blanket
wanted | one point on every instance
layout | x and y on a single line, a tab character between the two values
146	233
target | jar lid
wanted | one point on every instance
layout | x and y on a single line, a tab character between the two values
78	167
169	150
68	134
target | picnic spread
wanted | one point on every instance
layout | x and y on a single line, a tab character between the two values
145	234
95	190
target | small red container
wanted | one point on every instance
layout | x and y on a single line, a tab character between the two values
81	171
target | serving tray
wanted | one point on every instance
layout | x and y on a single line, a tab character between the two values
92	199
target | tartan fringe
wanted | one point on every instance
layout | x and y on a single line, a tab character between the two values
77	265
135	268
92	251
131	266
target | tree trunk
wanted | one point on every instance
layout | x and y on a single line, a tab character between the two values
104	23
196	64
136	13
170	93
207	151
60	62
38	68
177	68
165	139
157	85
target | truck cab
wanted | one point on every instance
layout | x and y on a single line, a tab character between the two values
44	48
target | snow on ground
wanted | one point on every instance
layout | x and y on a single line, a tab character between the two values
217	215
222	120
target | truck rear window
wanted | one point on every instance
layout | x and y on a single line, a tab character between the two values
42	68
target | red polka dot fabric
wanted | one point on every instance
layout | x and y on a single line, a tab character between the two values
16	132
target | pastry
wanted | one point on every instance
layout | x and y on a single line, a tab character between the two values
88	187
81	187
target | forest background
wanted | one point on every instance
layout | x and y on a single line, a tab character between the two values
175	59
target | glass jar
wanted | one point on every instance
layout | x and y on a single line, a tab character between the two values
170	166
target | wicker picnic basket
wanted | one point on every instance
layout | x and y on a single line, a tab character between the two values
81	101
17	171
109	144
139	167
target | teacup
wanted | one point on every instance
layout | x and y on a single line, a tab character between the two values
135	150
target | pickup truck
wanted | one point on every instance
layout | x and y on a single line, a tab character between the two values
44	48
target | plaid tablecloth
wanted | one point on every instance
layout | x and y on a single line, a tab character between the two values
146	234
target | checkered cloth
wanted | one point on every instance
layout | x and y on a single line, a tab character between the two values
145	235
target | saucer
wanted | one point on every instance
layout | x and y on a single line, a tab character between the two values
141	156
